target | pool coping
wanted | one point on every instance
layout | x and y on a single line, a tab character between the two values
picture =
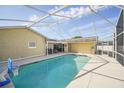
39	60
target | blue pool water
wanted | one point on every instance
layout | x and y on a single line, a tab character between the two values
57	72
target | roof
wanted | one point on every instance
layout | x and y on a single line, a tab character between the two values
83	39
23	27
75	40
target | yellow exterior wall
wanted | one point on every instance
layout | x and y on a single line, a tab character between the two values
14	43
82	47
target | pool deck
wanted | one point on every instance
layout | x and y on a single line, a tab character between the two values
100	72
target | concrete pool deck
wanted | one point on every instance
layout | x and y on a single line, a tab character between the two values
100	72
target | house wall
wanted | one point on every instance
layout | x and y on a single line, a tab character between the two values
14	43
82	47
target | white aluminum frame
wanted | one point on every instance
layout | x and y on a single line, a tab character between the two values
54	13
42	18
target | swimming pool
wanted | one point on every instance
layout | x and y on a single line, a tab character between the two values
56	72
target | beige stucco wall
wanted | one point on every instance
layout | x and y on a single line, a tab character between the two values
14	43
82	47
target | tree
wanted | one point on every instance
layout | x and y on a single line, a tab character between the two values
77	37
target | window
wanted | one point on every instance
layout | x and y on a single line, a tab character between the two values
32	44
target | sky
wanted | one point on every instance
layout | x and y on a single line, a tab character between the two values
80	22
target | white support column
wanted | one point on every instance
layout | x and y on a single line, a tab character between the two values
47	47
67	47
107	49
52	48
102	49
113	44
115	37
